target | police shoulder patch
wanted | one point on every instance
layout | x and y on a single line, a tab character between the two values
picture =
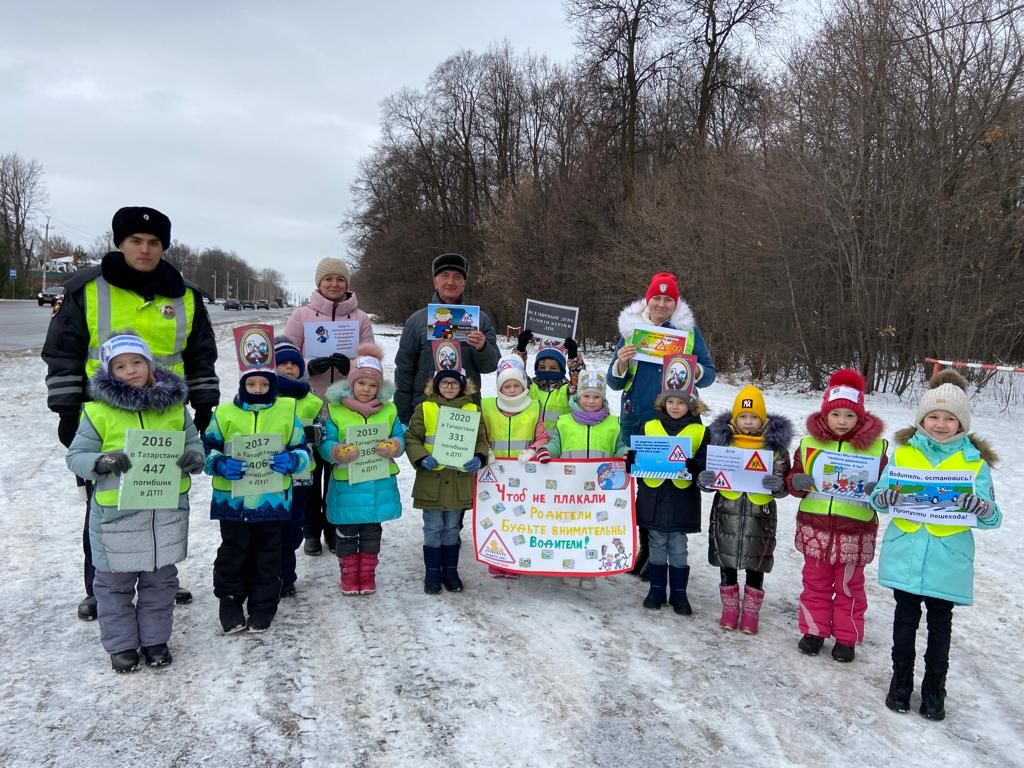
57	305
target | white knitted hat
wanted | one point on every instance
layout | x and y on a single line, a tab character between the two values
947	392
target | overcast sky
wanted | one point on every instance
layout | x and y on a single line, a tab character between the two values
242	121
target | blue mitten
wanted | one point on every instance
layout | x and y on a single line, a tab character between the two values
429	462
473	465
228	468
284	463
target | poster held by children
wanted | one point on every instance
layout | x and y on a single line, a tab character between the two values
654	342
931	496
254	346
660	458
564	517
550	321
154	480
456	436
256	451
842	475
369	466
452	321
739	469
325	338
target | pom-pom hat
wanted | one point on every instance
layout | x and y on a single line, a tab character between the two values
845	390
286	351
367	364
947	392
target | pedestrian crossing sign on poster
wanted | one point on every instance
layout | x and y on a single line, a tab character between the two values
721	482
494	550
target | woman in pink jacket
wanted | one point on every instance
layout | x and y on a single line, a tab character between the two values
331	301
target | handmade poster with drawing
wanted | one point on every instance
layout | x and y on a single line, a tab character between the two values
447	354
679	374
327	337
932	496
452	321
653	343
254	347
841	475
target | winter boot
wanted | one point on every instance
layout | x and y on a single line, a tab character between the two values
678	578
730	606
368	572
157	655
259	622
900	687
810	644
87	609
657	575
232	618
312	547
123	662
933	695
349	567
182	596
288	590
432	572
843	653
450	567
640	563
752	599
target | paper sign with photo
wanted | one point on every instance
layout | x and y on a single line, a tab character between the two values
653	343
254	347
447	354
679	374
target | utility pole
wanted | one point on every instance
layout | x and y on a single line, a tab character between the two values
46	250
228	289
214	286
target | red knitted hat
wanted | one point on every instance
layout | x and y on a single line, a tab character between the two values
663	284
845	390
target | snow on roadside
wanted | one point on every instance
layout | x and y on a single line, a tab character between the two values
526	673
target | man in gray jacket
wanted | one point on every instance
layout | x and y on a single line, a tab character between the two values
414	362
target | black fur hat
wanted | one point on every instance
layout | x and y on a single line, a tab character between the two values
134	219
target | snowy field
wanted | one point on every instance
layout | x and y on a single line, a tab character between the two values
525	673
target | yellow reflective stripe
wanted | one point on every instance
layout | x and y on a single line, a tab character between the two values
912	458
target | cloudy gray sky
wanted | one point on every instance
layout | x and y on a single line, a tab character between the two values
243	121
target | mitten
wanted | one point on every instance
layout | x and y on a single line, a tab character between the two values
284	463
340	363
202	417
523	339
429	462
976	506
115	461
705	480
630	460
314	434
228	468
388	449
772	483
473	465
543	455
801	482
191	462
888	498
572	349
344	453
67	427
318	365
526	456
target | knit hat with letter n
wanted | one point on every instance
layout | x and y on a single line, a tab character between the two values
947	391
845	390
134	220
663	284
750	399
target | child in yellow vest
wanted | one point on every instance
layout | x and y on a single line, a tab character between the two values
670	509
443	493
358	509
292	382
930	562
741	530
133	549
514	427
555	376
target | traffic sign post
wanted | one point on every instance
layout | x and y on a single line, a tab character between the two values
12	275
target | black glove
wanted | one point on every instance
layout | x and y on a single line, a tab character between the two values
340	363
201	418
523	339
630	460
572	349
314	434
705	480
67	427
115	461
772	483
191	462
318	365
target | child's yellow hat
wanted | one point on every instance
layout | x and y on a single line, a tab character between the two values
750	400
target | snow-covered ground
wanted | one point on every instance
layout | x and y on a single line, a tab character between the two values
525	673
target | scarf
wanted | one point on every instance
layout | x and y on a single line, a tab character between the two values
366	410
515	404
590	418
747	441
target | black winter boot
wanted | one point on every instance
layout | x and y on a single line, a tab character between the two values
678	578
450	568
933	695
123	662
157	655
232	618
87	608
432	570
810	644
901	686
182	596
656	594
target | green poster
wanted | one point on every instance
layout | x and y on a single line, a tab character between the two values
154	480
455	439
255	451
369	466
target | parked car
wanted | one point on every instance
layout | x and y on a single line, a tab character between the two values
262	304
50	294
232	304
248	304
935	495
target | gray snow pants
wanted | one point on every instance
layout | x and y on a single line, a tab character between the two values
125	625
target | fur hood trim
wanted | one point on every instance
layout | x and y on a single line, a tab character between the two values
339	390
471	388
168	390
778	432
869	428
984	447
699	407
632	316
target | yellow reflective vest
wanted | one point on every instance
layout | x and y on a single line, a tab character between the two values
579	441
431	413
553	403
344	418
232	420
508	435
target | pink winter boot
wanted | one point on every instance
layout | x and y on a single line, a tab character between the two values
349	565
367	573
730	606
752	599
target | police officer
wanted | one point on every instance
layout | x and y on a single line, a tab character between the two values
133	288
